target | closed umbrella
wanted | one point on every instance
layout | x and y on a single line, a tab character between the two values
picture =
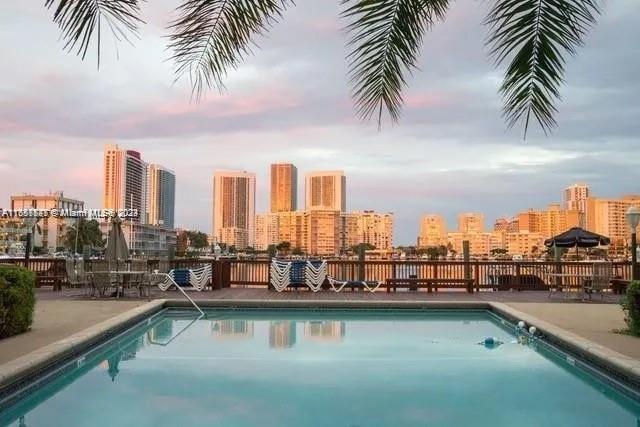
117	249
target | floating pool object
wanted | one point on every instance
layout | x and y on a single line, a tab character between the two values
532	330
521	324
491	342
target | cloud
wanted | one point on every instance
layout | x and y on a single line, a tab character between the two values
290	101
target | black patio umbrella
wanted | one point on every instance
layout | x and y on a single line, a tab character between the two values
577	237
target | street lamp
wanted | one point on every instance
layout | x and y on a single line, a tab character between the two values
633	218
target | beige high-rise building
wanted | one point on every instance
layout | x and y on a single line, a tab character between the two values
433	231
125	181
369	227
284	187
322	232
266	231
471	222
575	199
525	243
52	231
480	244
607	217
234	211
292	228
550	222
326	190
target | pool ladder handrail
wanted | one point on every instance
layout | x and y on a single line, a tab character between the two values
173	282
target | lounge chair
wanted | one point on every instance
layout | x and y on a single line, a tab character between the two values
198	278
338	285
285	274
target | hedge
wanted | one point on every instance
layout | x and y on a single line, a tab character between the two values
631	306
17	300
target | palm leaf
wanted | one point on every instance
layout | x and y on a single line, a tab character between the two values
386	36
535	35
79	19
211	36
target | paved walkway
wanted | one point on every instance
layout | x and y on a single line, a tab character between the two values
58	316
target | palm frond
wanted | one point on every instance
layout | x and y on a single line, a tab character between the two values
535	35
79	19
211	36
386	36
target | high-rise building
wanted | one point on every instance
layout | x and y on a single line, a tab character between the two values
575	199
550	222
161	195
125	181
607	217
326	190
471	222
524	243
292	228
369	227
480	244
266	231
322	232
433	231
52	231
234	194
284	187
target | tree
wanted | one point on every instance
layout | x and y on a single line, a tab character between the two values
89	234
210	37
433	252
297	251
197	239
367	247
283	247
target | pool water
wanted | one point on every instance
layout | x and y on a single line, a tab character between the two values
322	368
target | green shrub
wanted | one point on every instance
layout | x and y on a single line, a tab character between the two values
17	300
631	306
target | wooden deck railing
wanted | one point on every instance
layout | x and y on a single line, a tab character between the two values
501	275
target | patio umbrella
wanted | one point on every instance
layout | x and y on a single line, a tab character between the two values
578	237
117	248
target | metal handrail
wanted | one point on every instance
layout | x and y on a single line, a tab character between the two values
173	282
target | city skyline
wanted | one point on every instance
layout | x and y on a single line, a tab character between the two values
450	152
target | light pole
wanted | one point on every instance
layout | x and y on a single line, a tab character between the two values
633	218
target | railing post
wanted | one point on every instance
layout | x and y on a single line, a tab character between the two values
518	280
557	253
361	262
477	276
466	258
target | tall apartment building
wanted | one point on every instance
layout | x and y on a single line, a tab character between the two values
53	231
607	217
524	243
234	194
125	181
575	199
550	222
284	187
267	226
367	227
433	231
326	190
292	228
322	232
480	244
471	222
161	196
507	225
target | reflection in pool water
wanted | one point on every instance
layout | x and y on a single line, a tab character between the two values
304	369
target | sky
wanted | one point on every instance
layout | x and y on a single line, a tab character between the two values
450	152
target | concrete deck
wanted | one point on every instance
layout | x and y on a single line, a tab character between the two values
58	315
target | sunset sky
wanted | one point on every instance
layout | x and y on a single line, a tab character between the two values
290	102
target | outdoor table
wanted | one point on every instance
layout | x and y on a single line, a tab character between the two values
566	287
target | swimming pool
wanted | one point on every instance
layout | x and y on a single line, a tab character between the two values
322	368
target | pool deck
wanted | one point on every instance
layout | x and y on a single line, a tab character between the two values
59	315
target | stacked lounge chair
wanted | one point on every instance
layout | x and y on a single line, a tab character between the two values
285	274
198	278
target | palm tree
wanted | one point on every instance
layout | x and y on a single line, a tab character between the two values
210	37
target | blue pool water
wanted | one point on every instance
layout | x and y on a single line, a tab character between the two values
303	368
